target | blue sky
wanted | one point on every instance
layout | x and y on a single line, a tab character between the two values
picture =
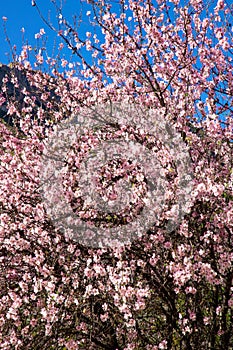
21	14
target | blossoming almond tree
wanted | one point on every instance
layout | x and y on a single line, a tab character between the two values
167	289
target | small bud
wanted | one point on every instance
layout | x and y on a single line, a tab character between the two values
33	3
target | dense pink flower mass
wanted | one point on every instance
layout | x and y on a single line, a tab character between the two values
167	289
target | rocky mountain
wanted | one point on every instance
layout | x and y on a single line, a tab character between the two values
13	92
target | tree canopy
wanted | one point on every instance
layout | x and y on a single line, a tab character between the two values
142	65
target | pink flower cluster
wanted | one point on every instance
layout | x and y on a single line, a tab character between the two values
167	289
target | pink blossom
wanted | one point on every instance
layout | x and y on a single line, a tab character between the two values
2	99
163	345
51	284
